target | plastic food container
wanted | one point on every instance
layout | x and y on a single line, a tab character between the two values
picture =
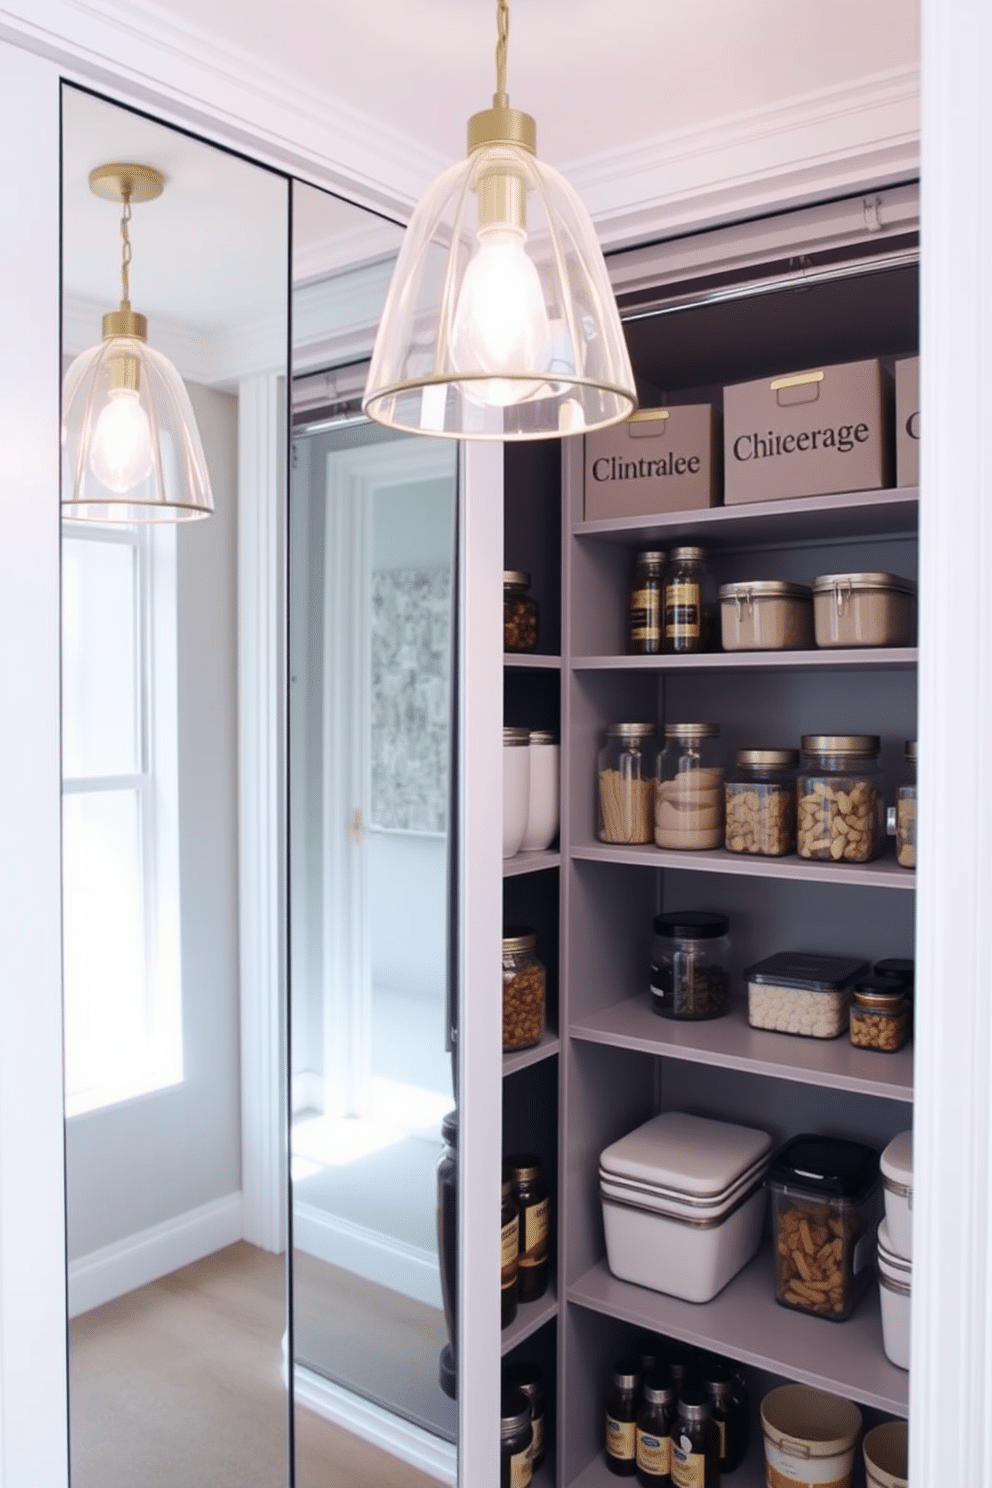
801	992
897	1181
886	1450
880	1015
809	1437
895	1276
839	799
683	1203
761	803
689	973
766	615
863	609
825	1206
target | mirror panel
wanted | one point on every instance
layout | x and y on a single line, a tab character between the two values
177	1321
371	563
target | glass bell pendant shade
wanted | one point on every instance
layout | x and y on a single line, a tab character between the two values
130	446
500	322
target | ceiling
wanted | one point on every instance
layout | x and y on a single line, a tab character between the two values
598	77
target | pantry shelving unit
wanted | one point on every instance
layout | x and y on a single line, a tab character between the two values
615	1062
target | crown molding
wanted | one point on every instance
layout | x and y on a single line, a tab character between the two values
138	54
832	142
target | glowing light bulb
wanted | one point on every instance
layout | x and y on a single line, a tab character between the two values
501	323
121	454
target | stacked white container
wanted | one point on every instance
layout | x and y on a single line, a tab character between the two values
683	1203
895	1236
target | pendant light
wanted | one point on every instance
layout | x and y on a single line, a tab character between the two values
500	321
131	448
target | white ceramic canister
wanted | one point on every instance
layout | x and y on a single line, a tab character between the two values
543	809
886	1450
516	788
895	1275
897	1179
809	1437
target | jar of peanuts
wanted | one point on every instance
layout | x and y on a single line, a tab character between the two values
826	1203
879	1014
761	802
840	808
524	988
906	810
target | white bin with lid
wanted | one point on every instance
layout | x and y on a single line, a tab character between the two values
683	1203
895	1276
897	1180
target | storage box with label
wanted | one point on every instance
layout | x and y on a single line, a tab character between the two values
908	422
807	433
658	460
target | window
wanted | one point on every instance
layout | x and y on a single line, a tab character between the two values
123	1016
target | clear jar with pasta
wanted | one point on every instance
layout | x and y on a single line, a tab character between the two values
906	811
761	802
626	783
689	800
840	809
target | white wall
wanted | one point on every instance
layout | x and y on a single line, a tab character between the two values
146	1161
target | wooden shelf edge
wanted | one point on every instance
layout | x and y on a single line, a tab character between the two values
832	1064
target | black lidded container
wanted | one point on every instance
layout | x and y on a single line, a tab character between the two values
622	1404
515	1468
826	1204
527	1379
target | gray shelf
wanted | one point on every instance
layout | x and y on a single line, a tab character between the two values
530	862
731	1043
519	1059
883	873
532	661
745	1322
853	659
847	514
530	1317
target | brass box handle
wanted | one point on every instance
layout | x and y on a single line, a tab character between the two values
652	422
803	387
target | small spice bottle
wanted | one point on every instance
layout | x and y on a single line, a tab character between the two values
515	1467
654	1430
727	1393
690	603
906	810
647	592
527	1379
535	1224
761	802
695	1442
521	617
524	988
626	783
509	1247
879	1015
621	1418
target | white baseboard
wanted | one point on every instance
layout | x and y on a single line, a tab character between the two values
421	1449
138	1259
380	1258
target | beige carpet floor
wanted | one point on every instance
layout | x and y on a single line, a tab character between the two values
178	1384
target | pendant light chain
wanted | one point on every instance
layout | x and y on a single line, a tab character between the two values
500	97
126	249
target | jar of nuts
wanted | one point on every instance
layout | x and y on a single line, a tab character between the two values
906	811
524	986
879	1015
761	802
826	1202
521	617
840	810
689	976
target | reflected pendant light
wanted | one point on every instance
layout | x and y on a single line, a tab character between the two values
131	448
500	321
